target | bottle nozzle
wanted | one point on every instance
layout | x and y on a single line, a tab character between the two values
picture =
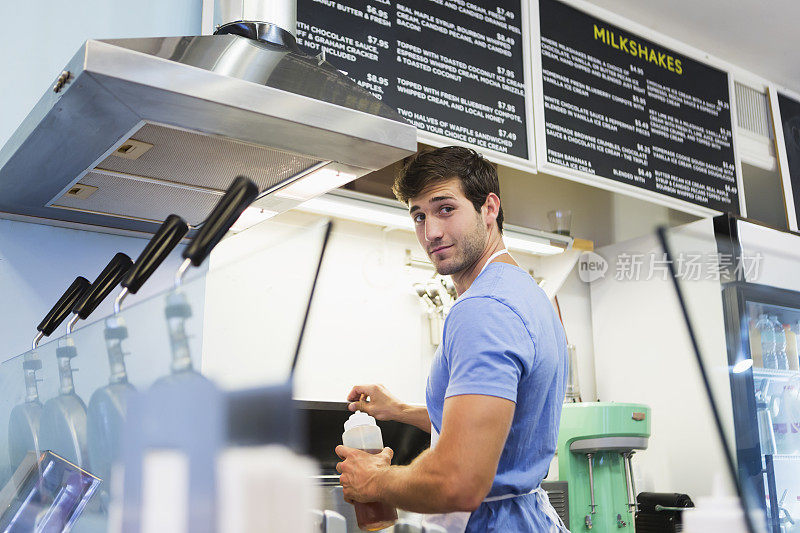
359	418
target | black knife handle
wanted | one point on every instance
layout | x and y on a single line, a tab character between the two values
104	284
163	242
239	195
63	306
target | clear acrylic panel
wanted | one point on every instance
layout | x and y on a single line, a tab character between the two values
243	315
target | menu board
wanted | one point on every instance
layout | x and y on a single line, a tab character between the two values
450	67
622	107
790	125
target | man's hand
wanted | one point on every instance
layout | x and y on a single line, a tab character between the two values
457	474
360	471
376	401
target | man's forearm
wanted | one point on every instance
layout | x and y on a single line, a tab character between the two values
421	487
415	416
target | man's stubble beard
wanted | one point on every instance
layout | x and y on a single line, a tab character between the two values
470	248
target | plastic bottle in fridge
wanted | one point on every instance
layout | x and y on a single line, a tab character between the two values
361	431
791	348
781	360
793	345
767	333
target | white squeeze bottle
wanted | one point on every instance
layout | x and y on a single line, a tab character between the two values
361	431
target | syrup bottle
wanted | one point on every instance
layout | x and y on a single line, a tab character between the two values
361	431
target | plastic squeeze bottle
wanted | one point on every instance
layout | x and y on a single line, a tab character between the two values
361	431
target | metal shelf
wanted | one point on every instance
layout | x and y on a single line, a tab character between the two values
786	457
760	373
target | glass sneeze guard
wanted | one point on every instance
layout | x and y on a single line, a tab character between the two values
79	393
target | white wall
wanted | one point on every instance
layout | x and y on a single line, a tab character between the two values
643	354
775	256
40	37
527	198
367	325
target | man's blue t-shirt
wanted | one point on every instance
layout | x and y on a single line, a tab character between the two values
503	338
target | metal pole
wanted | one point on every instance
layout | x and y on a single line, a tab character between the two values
592	505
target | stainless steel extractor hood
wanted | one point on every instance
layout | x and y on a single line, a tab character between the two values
136	129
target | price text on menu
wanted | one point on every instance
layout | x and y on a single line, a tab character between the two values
450	67
624	108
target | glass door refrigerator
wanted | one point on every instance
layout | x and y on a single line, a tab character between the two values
762	323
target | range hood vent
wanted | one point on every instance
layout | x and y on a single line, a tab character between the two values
136	129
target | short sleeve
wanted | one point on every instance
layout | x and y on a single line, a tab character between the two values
488	349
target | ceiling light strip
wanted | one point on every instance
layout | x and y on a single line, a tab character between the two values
357	208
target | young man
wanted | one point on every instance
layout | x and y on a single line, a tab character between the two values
497	381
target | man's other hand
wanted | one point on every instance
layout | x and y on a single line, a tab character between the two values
360	471
376	401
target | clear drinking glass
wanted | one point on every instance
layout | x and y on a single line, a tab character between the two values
560	221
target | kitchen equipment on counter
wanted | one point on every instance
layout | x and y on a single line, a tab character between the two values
240	194
63	422
107	406
23	424
573	393
661	512
595	444
558	494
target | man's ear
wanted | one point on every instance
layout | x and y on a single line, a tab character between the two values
490	209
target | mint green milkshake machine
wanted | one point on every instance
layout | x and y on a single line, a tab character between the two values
595	444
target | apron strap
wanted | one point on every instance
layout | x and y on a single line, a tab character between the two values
494	255
557	525
508	496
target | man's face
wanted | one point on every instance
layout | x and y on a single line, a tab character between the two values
448	228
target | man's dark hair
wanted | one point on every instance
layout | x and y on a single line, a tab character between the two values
478	177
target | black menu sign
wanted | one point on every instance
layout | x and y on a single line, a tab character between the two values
624	108
450	67
790	124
